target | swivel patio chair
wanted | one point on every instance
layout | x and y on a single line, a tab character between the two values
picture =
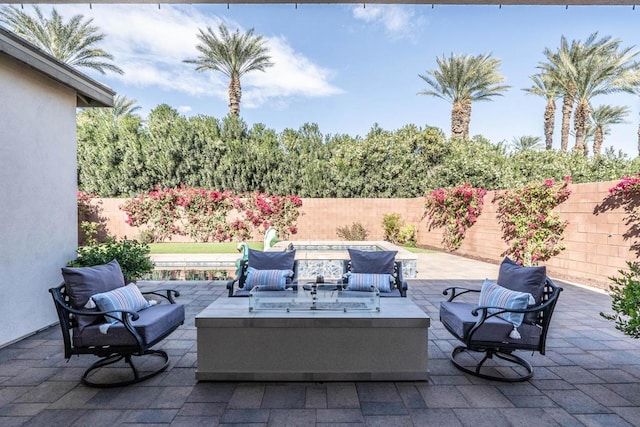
276	271
377	268
101	316
512	314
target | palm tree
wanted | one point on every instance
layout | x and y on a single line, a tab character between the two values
603	73
562	66
545	86
526	143
73	42
123	106
462	79
602	117
233	55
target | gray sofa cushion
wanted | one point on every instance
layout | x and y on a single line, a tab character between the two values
153	323
271	260
84	282
376	262
457	316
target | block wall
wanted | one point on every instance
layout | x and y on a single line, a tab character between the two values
595	243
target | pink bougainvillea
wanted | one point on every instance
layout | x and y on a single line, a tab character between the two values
531	229
455	210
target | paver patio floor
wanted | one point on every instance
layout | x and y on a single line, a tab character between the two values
589	376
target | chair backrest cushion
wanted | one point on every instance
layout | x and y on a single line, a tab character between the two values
268	280
522	279
494	295
81	283
126	297
260	260
364	281
374	262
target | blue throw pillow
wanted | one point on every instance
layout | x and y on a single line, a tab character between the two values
268	280
125	298
494	295
364	281
375	262
271	260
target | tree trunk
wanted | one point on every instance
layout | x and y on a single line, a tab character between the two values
567	107
457	120
549	122
598	139
235	93
467	117
580	124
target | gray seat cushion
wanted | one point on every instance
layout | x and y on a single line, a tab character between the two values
153	323
458	318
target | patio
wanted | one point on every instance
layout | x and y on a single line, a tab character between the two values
589	376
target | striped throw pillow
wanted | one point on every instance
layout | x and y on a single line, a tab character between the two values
124	298
268	280
364	281
493	295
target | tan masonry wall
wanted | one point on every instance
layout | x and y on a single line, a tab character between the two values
595	247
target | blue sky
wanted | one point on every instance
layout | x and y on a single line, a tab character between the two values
347	67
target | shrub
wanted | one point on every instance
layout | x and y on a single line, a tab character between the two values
625	300
356	231
91	225
532	230
407	236
456	210
391	224
132	256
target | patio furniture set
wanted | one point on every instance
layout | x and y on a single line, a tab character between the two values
348	329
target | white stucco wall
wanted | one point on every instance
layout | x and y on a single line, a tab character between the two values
38	233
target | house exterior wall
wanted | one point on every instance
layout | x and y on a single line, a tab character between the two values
595	245
38	214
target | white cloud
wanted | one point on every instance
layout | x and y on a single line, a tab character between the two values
150	44
399	21
184	109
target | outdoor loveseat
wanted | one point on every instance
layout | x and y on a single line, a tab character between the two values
102	316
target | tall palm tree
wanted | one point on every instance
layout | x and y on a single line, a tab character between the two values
461	80
123	106
601	74
602	117
233	55
526	143
562	66
73	42
544	85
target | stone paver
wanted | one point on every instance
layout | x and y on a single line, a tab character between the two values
590	376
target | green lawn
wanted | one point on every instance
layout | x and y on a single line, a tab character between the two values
420	250
199	248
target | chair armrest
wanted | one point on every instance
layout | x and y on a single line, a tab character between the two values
403	288
230	285
456	291
167	294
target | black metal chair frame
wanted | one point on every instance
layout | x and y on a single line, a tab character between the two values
399	283
503	350
110	354
238	282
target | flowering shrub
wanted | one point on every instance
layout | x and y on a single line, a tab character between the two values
533	232
208	215
627	186
454	209
279	212
157	210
